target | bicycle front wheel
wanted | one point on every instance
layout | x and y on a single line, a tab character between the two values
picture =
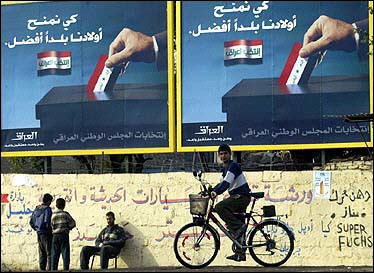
195	247
272	243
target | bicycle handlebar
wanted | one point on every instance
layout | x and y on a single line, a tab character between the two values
206	191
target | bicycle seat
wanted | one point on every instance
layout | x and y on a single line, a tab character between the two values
257	195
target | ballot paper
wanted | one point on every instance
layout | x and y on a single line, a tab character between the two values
298	70
103	78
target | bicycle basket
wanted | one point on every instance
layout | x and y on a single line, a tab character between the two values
198	204
269	211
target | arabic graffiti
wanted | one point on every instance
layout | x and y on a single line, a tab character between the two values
17	228
347	195
20	212
90	229
291	196
350	233
345	225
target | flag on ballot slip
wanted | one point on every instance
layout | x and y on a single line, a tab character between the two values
298	70
103	78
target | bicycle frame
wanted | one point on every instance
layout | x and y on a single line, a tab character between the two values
211	216
250	220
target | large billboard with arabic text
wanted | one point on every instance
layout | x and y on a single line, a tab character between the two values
242	81
57	95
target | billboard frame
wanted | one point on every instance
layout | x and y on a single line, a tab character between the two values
179	91
171	106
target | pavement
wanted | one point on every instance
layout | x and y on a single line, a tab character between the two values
253	269
239	269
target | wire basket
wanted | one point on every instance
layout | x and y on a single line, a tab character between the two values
269	211
198	204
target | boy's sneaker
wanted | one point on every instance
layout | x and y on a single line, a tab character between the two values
237	257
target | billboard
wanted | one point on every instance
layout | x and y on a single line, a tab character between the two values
59	98
242	82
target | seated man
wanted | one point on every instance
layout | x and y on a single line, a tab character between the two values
108	243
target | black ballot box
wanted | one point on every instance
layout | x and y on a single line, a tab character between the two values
265	102
73	109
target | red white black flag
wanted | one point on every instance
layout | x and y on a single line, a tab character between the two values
243	52
298	70
54	62
103	79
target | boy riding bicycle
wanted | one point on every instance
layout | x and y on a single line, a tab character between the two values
234	181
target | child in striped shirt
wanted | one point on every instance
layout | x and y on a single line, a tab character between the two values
62	223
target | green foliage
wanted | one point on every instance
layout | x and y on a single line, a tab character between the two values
16	164
365	37
23	164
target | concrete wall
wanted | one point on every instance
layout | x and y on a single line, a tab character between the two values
333	231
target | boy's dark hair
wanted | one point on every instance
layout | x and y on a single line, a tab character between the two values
60	203
109	213
224	148
47	198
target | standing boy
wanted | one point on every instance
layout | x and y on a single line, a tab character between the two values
62	223
40	221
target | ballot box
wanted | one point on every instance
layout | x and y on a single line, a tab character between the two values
263	104
72	108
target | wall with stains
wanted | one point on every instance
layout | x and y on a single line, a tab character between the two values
333	227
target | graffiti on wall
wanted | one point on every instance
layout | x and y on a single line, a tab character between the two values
171	211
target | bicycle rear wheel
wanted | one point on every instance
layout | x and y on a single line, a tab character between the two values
195	248
273	243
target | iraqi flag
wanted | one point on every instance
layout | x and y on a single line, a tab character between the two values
103	79
243	52
54	63
298	70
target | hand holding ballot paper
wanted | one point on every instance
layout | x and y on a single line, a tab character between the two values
327	33
130	45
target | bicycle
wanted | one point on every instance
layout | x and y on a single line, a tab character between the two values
270	241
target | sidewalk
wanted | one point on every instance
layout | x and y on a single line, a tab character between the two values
242	269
